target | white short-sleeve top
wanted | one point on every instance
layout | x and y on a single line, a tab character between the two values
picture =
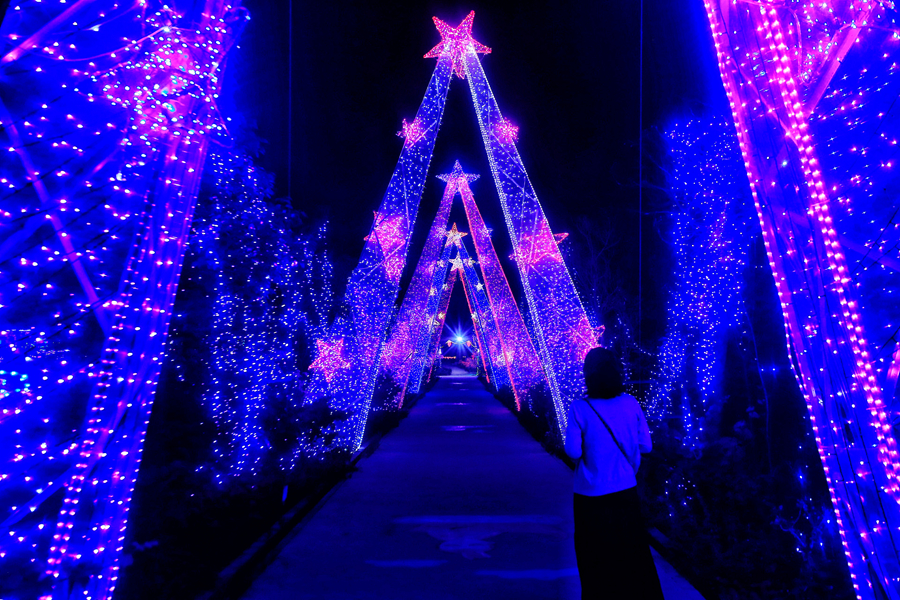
603	468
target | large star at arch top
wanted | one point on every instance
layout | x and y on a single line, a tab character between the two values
330	358
455	42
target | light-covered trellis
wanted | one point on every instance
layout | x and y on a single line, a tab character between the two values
804	80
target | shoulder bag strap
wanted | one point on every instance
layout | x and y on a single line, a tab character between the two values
611	434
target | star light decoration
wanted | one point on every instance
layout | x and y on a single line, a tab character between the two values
587	337
330	358
455	43
542	247
456	177
454	235
411	132
506	132
391	238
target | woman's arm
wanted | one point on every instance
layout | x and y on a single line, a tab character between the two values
573	435
644	441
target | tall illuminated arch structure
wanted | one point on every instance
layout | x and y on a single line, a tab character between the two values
345	369
483	320
780	64
499	326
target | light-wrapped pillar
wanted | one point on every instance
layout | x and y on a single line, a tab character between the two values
483	318
564	334
757	46
108	127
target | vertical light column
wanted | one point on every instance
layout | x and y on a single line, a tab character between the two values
518	354
830	356
428	320
346	365
563	332
484	320
398	355
90	531
108	127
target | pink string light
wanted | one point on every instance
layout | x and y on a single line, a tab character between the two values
757	55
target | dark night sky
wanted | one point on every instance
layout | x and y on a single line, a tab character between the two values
568	74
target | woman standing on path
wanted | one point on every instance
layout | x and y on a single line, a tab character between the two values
606	434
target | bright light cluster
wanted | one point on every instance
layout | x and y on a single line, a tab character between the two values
712	226
271	295
109	112
807	154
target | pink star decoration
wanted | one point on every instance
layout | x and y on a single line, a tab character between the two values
506	132
389	233
542	246
455	42
412	132
584	338
330	358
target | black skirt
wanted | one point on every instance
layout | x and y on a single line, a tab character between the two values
611	548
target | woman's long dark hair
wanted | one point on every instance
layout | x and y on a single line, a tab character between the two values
602	375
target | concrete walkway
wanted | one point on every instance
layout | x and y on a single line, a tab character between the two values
459	502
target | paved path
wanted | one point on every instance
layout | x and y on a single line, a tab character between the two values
459	502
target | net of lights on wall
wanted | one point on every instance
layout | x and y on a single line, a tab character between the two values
712	228
270	294
108	110
812	90
348	364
